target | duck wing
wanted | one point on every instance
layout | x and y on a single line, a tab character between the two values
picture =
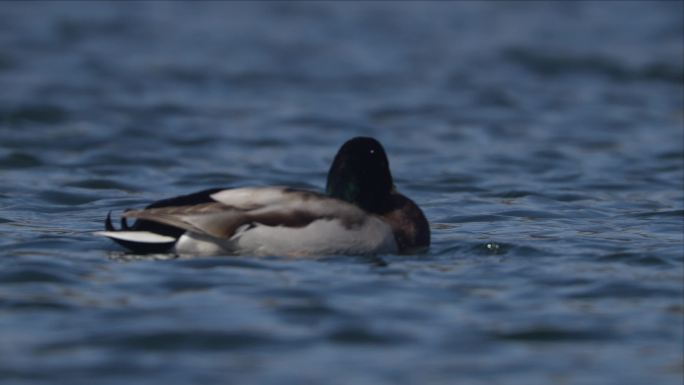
213	219
228	213
234	208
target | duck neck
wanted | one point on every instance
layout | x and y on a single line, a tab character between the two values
370	198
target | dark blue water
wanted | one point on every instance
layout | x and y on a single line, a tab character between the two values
544	141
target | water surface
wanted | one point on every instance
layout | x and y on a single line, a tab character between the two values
544	142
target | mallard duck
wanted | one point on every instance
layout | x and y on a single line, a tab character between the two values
360	213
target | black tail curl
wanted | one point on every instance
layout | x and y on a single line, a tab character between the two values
108	222
142	247
158	228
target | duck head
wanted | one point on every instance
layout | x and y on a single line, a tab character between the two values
360	175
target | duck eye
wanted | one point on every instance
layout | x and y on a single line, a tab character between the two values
372	152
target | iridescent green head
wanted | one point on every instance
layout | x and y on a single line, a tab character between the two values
360	174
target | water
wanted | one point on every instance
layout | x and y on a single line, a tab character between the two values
544	142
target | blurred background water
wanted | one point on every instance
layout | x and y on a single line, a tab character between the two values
543	140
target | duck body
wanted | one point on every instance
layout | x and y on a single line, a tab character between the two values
282	221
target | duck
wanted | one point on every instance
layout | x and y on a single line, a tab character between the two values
360	213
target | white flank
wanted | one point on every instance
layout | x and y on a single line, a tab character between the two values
136	236
321	237
190	244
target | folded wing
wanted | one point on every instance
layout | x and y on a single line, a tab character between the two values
225	211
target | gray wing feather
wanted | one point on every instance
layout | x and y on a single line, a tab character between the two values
213	219
266	206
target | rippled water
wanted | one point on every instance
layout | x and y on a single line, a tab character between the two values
544	142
